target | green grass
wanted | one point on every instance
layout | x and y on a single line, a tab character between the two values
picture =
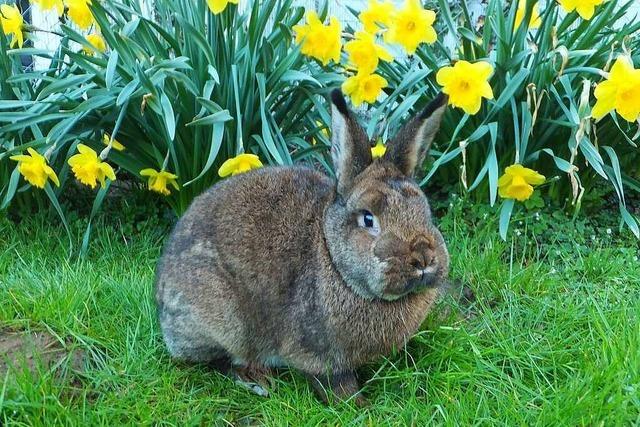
552	339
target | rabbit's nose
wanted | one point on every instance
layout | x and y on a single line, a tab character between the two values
420	260
421	255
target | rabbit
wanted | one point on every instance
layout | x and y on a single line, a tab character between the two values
284	266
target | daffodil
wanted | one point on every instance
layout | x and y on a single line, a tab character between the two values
364	88
411	26
50	4
377	13
116	145
97	43
466	84
80	13
535	20
324	131
217	6
34	168
585	8
11	22
158	181
88	168
378	150
620	92
239	164
517	182
364	53
319	41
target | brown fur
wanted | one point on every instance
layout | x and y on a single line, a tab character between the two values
271	267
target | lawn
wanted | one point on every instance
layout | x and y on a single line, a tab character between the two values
551	337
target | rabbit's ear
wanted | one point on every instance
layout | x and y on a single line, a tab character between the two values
410	145
350	150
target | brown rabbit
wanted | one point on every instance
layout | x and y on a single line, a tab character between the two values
285	266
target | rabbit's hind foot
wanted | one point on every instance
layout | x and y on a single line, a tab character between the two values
342	386
257	378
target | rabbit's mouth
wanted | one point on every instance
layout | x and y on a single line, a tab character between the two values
425	278
418	280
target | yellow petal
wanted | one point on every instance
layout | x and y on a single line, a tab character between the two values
83	149
532	177
21	158
52	175
378	150
444	75
603	107
629	113
169	175
228	167
148	172
106	138
473	107
482	69
567	5
504	180
35	154
108	171
217	6
586	11
383	54
486	91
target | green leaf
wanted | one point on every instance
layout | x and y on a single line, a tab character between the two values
10	189
169	118
219	117
54	201
111	69
97	202
214	149
505	217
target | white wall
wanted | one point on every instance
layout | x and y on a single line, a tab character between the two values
48	20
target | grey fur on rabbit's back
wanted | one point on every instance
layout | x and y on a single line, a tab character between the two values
285	266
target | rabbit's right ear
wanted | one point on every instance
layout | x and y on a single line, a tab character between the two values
350	150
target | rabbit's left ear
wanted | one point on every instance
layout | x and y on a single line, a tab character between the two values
350	150
410	145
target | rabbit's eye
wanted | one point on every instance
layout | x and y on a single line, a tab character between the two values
368	220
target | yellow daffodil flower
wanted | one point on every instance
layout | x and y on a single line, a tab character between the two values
11	22
88	168
535	20
377	13
239	164
97	42
80	13
411	26
320	41
364	88
324	131
116	145
218	6
34	168
620	92
158	181
50	4
466	84
517	182
378	150
585	8
364	53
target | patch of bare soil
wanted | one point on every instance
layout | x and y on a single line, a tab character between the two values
21	350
